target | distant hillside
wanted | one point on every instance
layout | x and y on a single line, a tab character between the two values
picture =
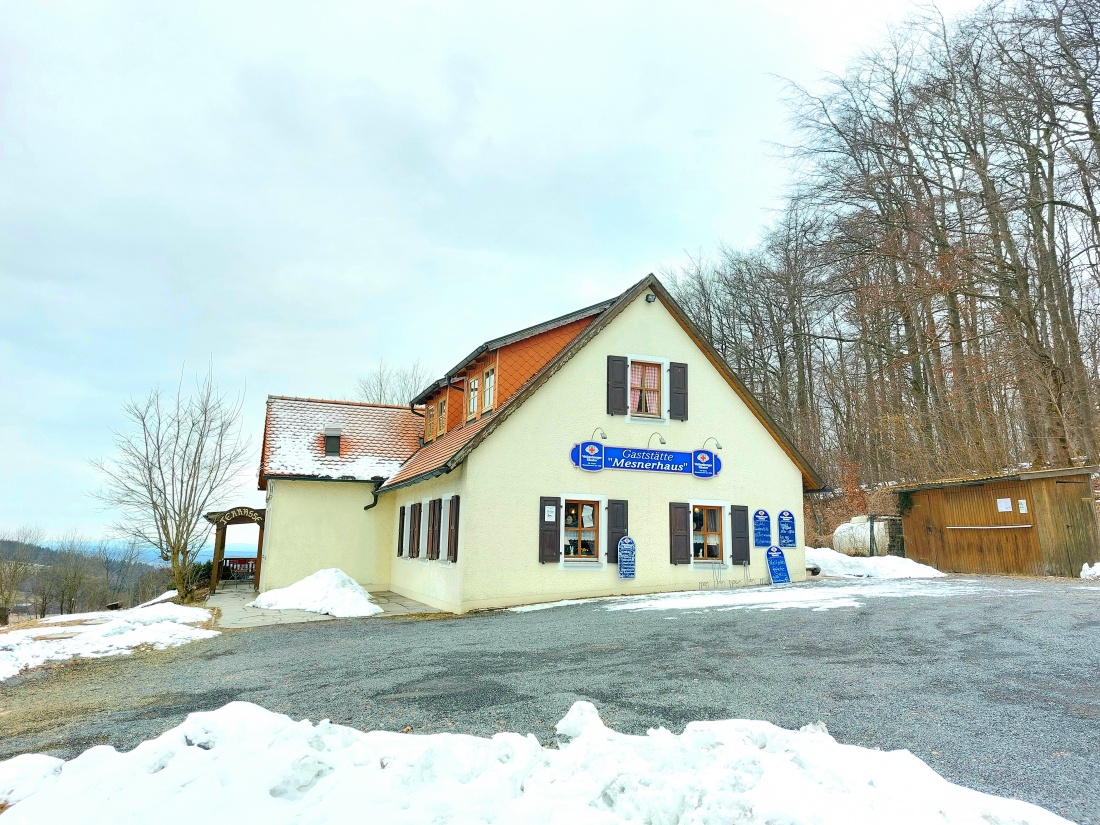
50	558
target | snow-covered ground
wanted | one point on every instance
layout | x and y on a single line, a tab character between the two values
1090	572
833	563
161	624
242	763
330	591
816	596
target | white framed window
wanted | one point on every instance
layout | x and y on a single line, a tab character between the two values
583	531
489	389
710	532
471	399
647	396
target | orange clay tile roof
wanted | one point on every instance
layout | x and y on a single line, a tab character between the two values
434	455
375	439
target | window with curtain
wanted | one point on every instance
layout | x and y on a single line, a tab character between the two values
645	388
706	538
429	424
582	530
441	418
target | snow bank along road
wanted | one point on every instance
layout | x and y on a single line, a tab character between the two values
991	681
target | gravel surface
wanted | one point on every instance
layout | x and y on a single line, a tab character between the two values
997	691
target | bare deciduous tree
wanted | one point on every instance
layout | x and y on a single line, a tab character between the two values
178	460
15	565
393	385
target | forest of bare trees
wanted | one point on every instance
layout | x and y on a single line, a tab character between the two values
928	304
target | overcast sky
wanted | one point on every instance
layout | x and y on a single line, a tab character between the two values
293	190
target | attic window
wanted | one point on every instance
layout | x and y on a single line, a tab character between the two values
332	441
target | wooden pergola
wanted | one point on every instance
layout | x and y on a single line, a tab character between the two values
226	518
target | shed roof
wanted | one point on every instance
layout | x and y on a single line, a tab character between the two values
375	439
1014	475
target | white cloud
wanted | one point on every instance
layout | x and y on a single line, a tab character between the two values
293	191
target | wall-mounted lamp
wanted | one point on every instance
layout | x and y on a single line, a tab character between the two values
659	436
650	298
603	435
717	443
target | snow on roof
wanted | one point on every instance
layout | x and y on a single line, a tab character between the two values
375	439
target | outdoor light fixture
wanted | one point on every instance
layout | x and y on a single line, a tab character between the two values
659	436
650	298
603	435
717	443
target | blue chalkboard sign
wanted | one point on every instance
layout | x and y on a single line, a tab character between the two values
777	566
761	529
627	552
786	529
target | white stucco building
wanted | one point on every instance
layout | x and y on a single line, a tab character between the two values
511	479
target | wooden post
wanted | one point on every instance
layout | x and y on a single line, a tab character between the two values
259	558
219	552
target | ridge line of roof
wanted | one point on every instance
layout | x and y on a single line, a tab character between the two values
338	401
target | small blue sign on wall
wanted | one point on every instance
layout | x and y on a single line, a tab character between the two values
594	456
786	529
761	529
627	554
777	566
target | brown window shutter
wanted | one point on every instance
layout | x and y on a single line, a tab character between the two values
678	391
617	527
429	548
452	530
549	531
437	527
401	531
616	385
679	533
414	531
739	534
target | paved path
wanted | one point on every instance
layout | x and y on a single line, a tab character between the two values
231	602
996	689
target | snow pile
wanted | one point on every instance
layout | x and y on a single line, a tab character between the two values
329	591
166	596
105	633
833	563
1090	572
250	765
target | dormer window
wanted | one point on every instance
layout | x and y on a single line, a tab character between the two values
471	399
332	441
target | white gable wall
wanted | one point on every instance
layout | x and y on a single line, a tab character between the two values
528	457
313	525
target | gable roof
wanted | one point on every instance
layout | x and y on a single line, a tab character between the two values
375	439
512	338
452	453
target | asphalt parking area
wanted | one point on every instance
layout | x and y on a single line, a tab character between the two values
992	681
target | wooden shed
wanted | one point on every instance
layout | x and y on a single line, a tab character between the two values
1033	523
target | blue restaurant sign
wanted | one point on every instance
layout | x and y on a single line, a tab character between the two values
761	529
786	529
594	456
627	554
777	566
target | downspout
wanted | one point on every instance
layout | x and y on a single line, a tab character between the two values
376	482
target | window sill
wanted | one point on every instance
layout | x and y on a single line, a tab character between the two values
581	565
709	563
